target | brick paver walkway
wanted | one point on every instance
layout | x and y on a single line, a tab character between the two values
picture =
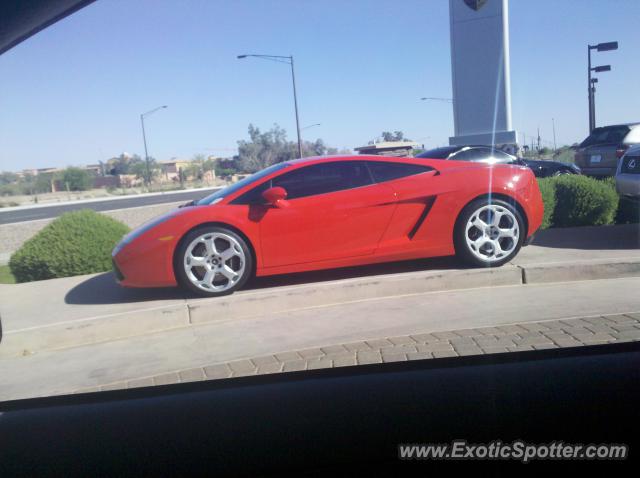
507	338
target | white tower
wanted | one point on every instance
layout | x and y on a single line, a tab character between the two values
480	72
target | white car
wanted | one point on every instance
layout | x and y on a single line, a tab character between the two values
628	174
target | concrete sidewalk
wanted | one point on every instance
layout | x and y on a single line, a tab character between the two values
573	332
285	334
92	309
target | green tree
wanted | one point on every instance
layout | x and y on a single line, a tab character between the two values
264	149
395	136
138	167
8	178
122	164
43	183
316	148
76	179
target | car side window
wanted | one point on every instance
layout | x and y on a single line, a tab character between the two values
324	178
313	180
387	171
474	154
503	157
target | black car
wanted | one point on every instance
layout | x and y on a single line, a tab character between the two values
487	154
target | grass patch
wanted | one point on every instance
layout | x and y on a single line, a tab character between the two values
6	277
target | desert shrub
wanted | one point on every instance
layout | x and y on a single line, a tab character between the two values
548	191
583	201
78	242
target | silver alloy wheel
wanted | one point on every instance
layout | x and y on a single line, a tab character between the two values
492	233
214	262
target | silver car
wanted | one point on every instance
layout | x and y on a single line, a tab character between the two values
599	154
628	174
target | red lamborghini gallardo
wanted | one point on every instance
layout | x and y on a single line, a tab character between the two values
328	212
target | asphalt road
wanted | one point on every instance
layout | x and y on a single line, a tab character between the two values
46	212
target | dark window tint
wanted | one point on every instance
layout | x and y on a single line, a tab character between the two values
256	177
312	180
473	154
606	135
501	155
387	171
483	154
438	153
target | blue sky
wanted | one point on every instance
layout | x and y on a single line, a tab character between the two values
73	93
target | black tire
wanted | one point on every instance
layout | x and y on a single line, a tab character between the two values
464	251
180	269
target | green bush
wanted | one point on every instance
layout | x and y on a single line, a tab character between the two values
584	201
548	191
76	179
76	243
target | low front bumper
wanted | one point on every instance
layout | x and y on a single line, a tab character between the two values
598	172
628	184
116	271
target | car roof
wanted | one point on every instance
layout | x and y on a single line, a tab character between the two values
348	157
631	125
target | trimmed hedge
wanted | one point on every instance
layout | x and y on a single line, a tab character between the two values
579	200
76	243
584	201
548	191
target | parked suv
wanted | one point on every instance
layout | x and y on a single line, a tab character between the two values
598	155
628	174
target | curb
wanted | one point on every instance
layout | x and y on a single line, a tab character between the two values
580	270
241	305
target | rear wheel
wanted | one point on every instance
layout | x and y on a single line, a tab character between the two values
561	172
212	261
488	234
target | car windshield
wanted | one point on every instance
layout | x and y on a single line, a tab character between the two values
224	192
606	135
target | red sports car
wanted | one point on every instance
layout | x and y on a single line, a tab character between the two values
329	212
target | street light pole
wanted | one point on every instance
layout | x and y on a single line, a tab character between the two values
608	46
309	126
146	154
288	60
144	139
591	121
295	104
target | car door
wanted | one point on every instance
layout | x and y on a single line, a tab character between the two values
415	190
334	211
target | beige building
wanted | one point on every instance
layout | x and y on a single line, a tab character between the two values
171	169
388	148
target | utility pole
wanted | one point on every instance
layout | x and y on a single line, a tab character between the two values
608	46
288	60
538	139
553	125
144	139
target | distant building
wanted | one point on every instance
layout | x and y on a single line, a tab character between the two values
171	169
95	169
388	148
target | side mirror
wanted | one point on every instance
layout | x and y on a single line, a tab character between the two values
276	197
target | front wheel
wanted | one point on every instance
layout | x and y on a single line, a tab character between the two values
488	233
561	172
212	261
